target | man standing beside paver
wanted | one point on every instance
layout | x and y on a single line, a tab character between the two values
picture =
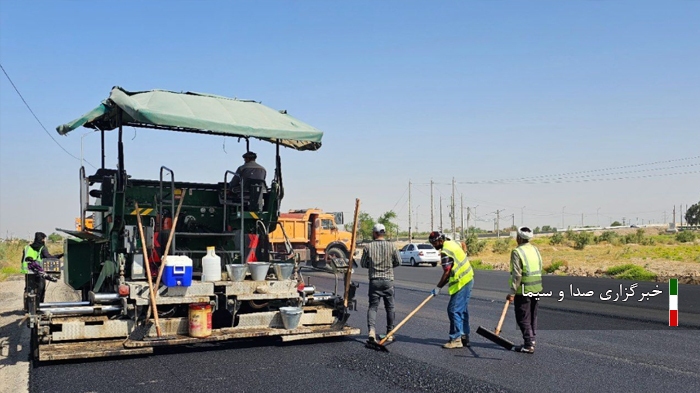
380	257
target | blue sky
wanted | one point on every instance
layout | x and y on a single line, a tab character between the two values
475	90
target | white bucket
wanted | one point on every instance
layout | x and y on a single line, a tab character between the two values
283	270
236	272
291	316
258	270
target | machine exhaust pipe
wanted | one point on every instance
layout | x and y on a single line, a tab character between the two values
81	310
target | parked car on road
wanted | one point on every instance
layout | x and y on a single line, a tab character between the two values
416	253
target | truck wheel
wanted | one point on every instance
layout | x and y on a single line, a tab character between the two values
413	262
335	252
434	264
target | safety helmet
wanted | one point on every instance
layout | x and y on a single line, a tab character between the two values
435	236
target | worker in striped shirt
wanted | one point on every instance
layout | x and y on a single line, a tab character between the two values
380	257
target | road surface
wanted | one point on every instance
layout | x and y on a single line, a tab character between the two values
585	344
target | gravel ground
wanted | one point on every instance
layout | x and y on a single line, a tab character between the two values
14	335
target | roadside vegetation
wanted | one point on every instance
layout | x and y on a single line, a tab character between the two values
634	254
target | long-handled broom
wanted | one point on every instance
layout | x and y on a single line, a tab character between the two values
494	336
379	346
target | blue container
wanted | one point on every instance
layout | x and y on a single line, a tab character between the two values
178	271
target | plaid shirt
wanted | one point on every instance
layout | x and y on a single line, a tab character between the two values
381	257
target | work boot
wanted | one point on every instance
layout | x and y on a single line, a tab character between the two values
525	349
388	340
465	341
457	343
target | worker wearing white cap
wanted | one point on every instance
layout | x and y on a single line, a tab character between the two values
525	283
380	257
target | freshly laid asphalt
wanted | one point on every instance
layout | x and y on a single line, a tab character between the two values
584	344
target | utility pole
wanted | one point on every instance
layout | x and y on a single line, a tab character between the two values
498	223
468	217
562	217
522	215
440	213
598	217
665	217
461	211
452	214
513	215
410	227
432	206
674	216
680	213
581	220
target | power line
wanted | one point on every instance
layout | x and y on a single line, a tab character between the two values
586	171
37	119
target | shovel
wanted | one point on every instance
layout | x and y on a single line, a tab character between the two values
494	336
339	323
379	346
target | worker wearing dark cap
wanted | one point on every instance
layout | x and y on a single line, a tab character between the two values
32	266
525	278
459	275
250	170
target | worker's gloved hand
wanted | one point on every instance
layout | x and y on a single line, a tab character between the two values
435	291
49	277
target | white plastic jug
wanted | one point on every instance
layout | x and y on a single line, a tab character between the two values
211	266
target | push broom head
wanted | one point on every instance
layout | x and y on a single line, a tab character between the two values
377	346
495	338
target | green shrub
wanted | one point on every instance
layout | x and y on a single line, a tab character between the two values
629	238
570	235
685	236
555	266
582	239
501	246
557	238
630	272
474	245
477	264
608	236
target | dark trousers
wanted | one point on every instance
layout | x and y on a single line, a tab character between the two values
381	289
34	283
526	317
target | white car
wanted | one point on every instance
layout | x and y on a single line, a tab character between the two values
416	253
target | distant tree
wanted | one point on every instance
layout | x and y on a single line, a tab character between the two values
692	216
616	224
537	230
386	220
365	222
55	237
547	228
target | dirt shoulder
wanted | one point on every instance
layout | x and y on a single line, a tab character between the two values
14	339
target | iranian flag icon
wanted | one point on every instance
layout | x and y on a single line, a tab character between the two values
673	302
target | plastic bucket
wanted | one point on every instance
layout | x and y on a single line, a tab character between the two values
291	316
200	320
236	272
283	270
258	270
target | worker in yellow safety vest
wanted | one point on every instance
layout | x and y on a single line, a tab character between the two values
525	287
458	273
33	268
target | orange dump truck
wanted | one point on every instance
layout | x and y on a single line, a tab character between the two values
312	234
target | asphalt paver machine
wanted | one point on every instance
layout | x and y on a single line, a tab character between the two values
121	311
